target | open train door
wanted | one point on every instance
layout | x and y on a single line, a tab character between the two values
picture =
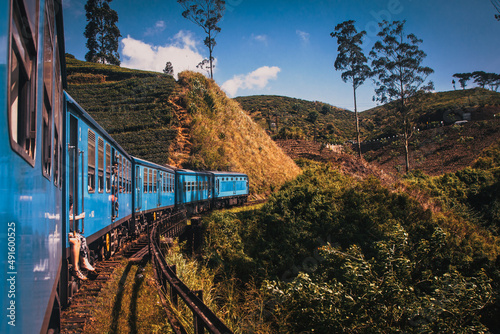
75	180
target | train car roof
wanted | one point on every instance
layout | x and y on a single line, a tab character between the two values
188	171
228	174
84	115
153	165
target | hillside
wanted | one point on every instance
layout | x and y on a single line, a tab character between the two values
224	137
473	104
188	124
131	105
436	151
290	118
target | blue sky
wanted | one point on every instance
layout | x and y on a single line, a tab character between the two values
281	47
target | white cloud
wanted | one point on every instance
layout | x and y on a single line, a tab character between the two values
304	36
260	38
158	28
257	79
182	52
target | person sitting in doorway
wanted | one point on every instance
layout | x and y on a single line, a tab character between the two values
79	249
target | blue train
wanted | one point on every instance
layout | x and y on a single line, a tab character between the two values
52	152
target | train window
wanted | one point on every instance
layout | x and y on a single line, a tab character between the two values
129	178
46	136
108	168
91	162
48	58
58	116
22	77
154	181
100	165
145	180
150	180
137	179
120	174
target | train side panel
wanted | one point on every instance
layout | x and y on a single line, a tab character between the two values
98	176
30	163
154	186
230	185
193	190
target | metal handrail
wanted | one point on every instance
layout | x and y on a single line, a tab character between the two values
201	313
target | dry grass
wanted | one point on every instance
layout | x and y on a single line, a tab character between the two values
129	304
225	137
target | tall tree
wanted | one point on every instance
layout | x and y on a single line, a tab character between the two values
352	61
483	79
397	63
102	33
206	14
463	78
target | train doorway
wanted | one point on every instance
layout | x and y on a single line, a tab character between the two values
76	188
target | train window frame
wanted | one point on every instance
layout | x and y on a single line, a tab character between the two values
120	174
91	163
22	79
58	118
108	168
48	89
150	183
137	180
46	137
100	165
163	182
145	181
155	181
127	177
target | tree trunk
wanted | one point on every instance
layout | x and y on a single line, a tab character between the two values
407	153
357	120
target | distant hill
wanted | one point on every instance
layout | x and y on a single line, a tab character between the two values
290	118
447	107
188	124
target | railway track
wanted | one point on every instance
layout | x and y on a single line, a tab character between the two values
79	313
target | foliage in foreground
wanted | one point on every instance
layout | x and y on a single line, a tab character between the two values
336	254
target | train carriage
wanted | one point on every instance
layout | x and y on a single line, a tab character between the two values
154	189
31	124
229	188
193	190
98	180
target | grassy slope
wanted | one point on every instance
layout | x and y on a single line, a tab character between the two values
131	105
224	136
332	125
